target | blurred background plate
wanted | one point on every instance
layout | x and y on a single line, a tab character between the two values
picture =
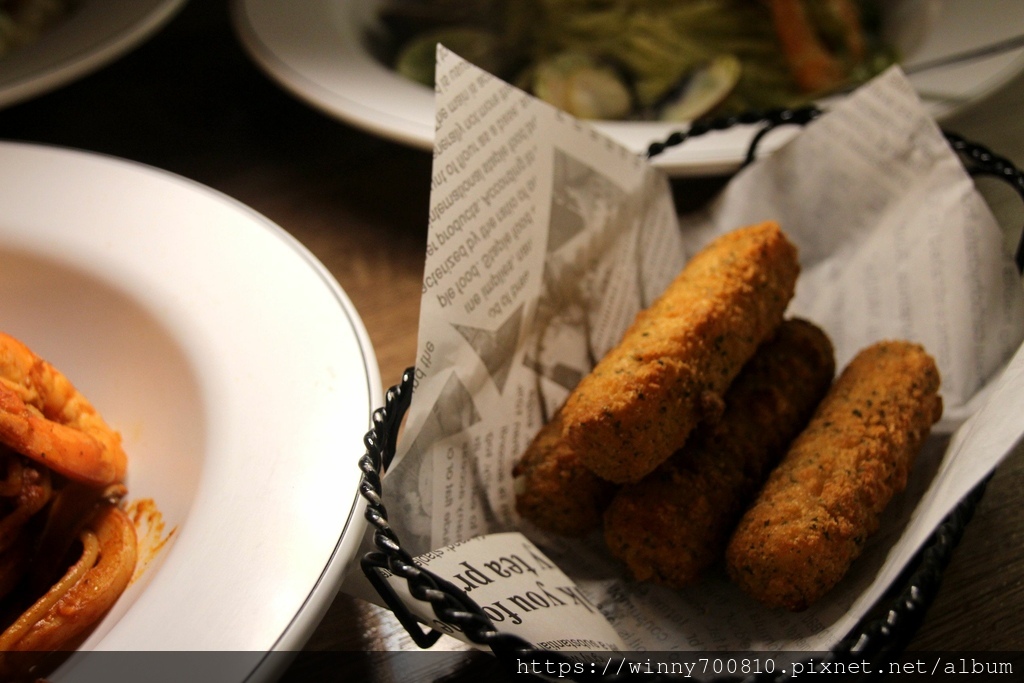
95	33
237	371
318	50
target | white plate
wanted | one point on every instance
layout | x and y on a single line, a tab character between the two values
93	35
237	371
317	50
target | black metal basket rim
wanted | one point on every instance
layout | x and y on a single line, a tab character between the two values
878	636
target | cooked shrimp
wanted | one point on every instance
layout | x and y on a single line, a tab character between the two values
815	68
43	417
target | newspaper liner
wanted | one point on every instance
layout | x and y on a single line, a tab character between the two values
545	239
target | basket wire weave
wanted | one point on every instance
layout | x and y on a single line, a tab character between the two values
880	635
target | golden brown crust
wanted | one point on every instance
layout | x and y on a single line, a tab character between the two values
678	357
675	523
553	488
825	498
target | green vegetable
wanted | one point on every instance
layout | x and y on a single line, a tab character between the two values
629	58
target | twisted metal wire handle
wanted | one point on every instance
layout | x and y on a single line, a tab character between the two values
885	634
977	159
878	636
450	604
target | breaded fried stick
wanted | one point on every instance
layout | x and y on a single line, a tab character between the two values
675	523
553	488
819	506
678	357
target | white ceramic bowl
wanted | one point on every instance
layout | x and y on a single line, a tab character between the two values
235	367
96	33
318	51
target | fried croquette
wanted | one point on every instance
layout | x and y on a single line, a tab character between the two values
818	507
675	523
553	488
676	360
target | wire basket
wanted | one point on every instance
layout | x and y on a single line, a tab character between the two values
883	633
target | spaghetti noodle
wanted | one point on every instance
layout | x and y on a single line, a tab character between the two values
67	551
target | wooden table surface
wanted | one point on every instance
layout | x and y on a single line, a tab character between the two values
190	101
